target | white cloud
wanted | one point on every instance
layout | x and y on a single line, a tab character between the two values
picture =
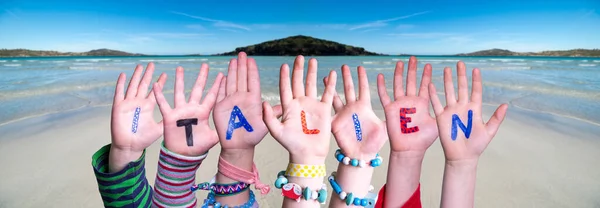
195	27
383	23
421	35
216	23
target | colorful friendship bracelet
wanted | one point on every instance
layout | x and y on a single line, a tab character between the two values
210	202
349	197
222	189
356	162
295	192
305	171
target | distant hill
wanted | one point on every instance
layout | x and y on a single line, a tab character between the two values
569	53
32	53
301	45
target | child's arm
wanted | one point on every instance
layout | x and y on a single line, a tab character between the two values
411	131
187	139
463	134
238	120
360	134
119	166
304	130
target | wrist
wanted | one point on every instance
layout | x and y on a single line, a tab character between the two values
462	165
118	158
307	160
240	158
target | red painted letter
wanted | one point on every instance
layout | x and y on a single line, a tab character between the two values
405	120
304	127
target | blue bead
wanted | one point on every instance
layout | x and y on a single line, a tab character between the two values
225	206
356	201
375	162
354	162
349	199
306	193
280	182
322	196
363	202
281	173
217	205
339	157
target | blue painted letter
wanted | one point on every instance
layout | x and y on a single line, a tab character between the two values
357	128
236	112
457	122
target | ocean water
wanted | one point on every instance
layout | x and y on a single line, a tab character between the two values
562	86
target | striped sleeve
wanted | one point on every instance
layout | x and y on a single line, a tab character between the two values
175	176
126	188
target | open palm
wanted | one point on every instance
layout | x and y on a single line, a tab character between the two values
354	115
419	130
240	89
132	124
204	137
470	139
309	139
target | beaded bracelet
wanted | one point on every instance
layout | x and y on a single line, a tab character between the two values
356	162
349	198
211	202
222	189
295	192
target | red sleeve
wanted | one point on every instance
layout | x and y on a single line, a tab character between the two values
413	202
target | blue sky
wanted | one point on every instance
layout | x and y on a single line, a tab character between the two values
184	27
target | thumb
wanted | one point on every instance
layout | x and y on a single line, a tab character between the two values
493	124
270	119
278	111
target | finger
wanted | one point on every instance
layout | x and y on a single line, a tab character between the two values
425	80
477	89
179	92
198	88
242	72
253	76
221	94
348	84
211	96
119	93
161	81
364	93
134	82
311	79
330	88
435	100
411	78
232	77
398	85
337	101
285	90
277	111
449	87
297	76
273	124
463	85
382	90
163	105
146	80
494	123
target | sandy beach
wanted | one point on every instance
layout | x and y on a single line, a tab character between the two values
534	161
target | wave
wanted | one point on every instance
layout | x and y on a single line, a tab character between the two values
378	63
12	65
507	60
93	60
546	90
53	90
597	61
2	61
585	65
518	64
83	64
82	67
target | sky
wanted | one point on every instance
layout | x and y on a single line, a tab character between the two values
390	27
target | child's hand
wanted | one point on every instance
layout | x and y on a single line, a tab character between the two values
189	118
306	124
358	131
463	134
239	103
133	128
410	126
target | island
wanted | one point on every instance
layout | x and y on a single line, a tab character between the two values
301	45
565	53
36	53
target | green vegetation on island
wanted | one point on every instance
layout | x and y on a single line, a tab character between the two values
35	53
301	45
567	53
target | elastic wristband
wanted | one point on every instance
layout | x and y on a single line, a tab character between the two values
356	162
305	171
296	192
349	197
